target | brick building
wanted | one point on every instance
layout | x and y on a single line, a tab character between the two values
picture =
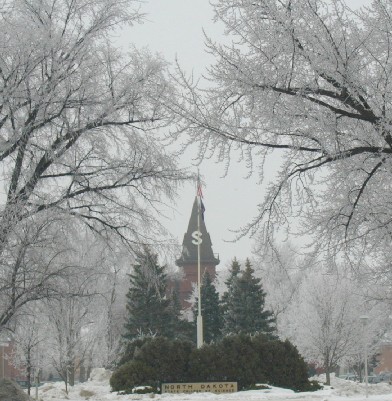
7	369
384	359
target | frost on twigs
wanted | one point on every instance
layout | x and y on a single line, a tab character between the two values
78	128
308	82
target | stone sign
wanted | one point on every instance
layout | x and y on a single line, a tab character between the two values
209	387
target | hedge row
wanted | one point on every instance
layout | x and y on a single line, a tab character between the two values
248	360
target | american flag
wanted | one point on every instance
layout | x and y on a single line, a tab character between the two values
199	189
199	193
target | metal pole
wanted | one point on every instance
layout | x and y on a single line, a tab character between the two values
36	383
3	345
366	369
199	321
364	320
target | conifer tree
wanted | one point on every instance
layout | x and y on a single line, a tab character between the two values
180	328
210	310
234	271
231	283
244	305
149	309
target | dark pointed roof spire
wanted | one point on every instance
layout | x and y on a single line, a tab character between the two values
189	249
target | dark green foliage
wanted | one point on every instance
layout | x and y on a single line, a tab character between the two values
158	360
151	311
234	272
313	385
181	329
232	359
245	359
210	310
286	367
250	360
131	374
244	303
168	358
147	305
133	348
227	296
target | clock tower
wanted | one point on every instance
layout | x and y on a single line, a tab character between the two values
188	261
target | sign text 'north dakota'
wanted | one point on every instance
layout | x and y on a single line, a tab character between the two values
212	387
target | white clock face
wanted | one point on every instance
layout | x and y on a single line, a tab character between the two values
196	235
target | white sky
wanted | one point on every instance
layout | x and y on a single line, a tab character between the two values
174	28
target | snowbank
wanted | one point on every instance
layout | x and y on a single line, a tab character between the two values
98	389
100	375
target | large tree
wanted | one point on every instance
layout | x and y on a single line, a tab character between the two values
28	342
34	264
282	271
150	309
211	310
73	314
309	81
324	321
77	325
77	120
244	305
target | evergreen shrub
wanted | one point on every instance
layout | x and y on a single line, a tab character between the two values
133	348
248	360
157	360
232	359
132	374
252	360
168	358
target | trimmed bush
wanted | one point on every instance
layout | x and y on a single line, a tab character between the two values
281	363
232	359
132	374
154	361
246	359
250	360
168	358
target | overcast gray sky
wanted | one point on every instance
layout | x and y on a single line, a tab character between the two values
174	28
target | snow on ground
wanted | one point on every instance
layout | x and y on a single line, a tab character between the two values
98	389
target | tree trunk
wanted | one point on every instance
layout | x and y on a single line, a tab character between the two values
28	372
82	372
328	377
71	375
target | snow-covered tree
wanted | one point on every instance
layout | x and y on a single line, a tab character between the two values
34	263
75	314
282	271
325	321
29	340
77	122
308	81
109	314
70	342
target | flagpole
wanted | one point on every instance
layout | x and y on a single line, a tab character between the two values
199	320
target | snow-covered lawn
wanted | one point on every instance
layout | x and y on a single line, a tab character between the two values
98	389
